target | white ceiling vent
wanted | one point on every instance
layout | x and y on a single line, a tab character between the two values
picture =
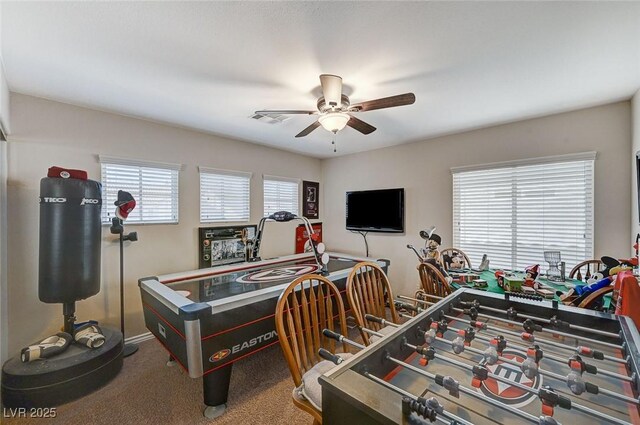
270	119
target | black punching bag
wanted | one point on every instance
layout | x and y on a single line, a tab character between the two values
70	236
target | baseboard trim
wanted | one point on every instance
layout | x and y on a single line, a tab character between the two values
139	338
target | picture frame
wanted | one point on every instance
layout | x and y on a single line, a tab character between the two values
311	199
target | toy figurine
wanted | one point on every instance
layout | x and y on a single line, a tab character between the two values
500	278
531	275
457	263
454	261
431	252
484	264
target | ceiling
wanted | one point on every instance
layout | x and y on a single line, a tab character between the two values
209	65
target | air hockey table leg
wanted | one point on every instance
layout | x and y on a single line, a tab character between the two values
215	389
171	362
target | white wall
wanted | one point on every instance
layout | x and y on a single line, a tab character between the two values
635	147
3	254
423	169
46	133
4	88
4	123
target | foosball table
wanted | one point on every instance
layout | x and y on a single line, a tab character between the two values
482	358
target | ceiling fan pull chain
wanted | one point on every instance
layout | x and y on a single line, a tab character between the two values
333	141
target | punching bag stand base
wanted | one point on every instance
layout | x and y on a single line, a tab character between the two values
62	378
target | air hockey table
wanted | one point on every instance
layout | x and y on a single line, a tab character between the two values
379	384
207	319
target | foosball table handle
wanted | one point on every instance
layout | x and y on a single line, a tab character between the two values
372	318
328	355
331	334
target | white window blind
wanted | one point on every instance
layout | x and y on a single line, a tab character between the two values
224	195
280	194
515	213
154	186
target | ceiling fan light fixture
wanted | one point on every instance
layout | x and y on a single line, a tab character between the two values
334	121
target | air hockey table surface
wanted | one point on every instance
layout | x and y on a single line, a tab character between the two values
351	397
207	319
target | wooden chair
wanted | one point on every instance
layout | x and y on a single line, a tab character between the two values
308	305
433	281
421	295
584	270
594	301
368	292
452	252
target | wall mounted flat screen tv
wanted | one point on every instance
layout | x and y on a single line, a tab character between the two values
376	210
638	181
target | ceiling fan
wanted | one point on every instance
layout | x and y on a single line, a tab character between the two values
334	108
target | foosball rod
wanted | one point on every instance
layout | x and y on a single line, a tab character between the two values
558	377
585	350
515	363
540	319
467	391
601	390
579	349
512	322
558	359
547	330
605	372
341	338
448	415
461	388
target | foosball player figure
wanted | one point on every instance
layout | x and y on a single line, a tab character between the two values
575	382
427	354
463	339
480	374
530	365
496	347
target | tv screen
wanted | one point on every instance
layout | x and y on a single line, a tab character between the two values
376	210
638	181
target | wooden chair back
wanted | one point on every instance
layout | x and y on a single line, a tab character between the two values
310	304
368	292
452	252
594	300
584	270
433	281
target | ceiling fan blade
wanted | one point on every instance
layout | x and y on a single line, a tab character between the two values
286	112
360	125
385	102
309	129
331	89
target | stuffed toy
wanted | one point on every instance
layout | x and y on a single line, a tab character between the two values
454	261
431	251
597	280
457	263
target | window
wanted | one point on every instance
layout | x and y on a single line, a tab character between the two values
280	194
224	195
515	211
154	186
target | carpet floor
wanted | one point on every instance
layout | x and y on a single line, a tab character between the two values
148	392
